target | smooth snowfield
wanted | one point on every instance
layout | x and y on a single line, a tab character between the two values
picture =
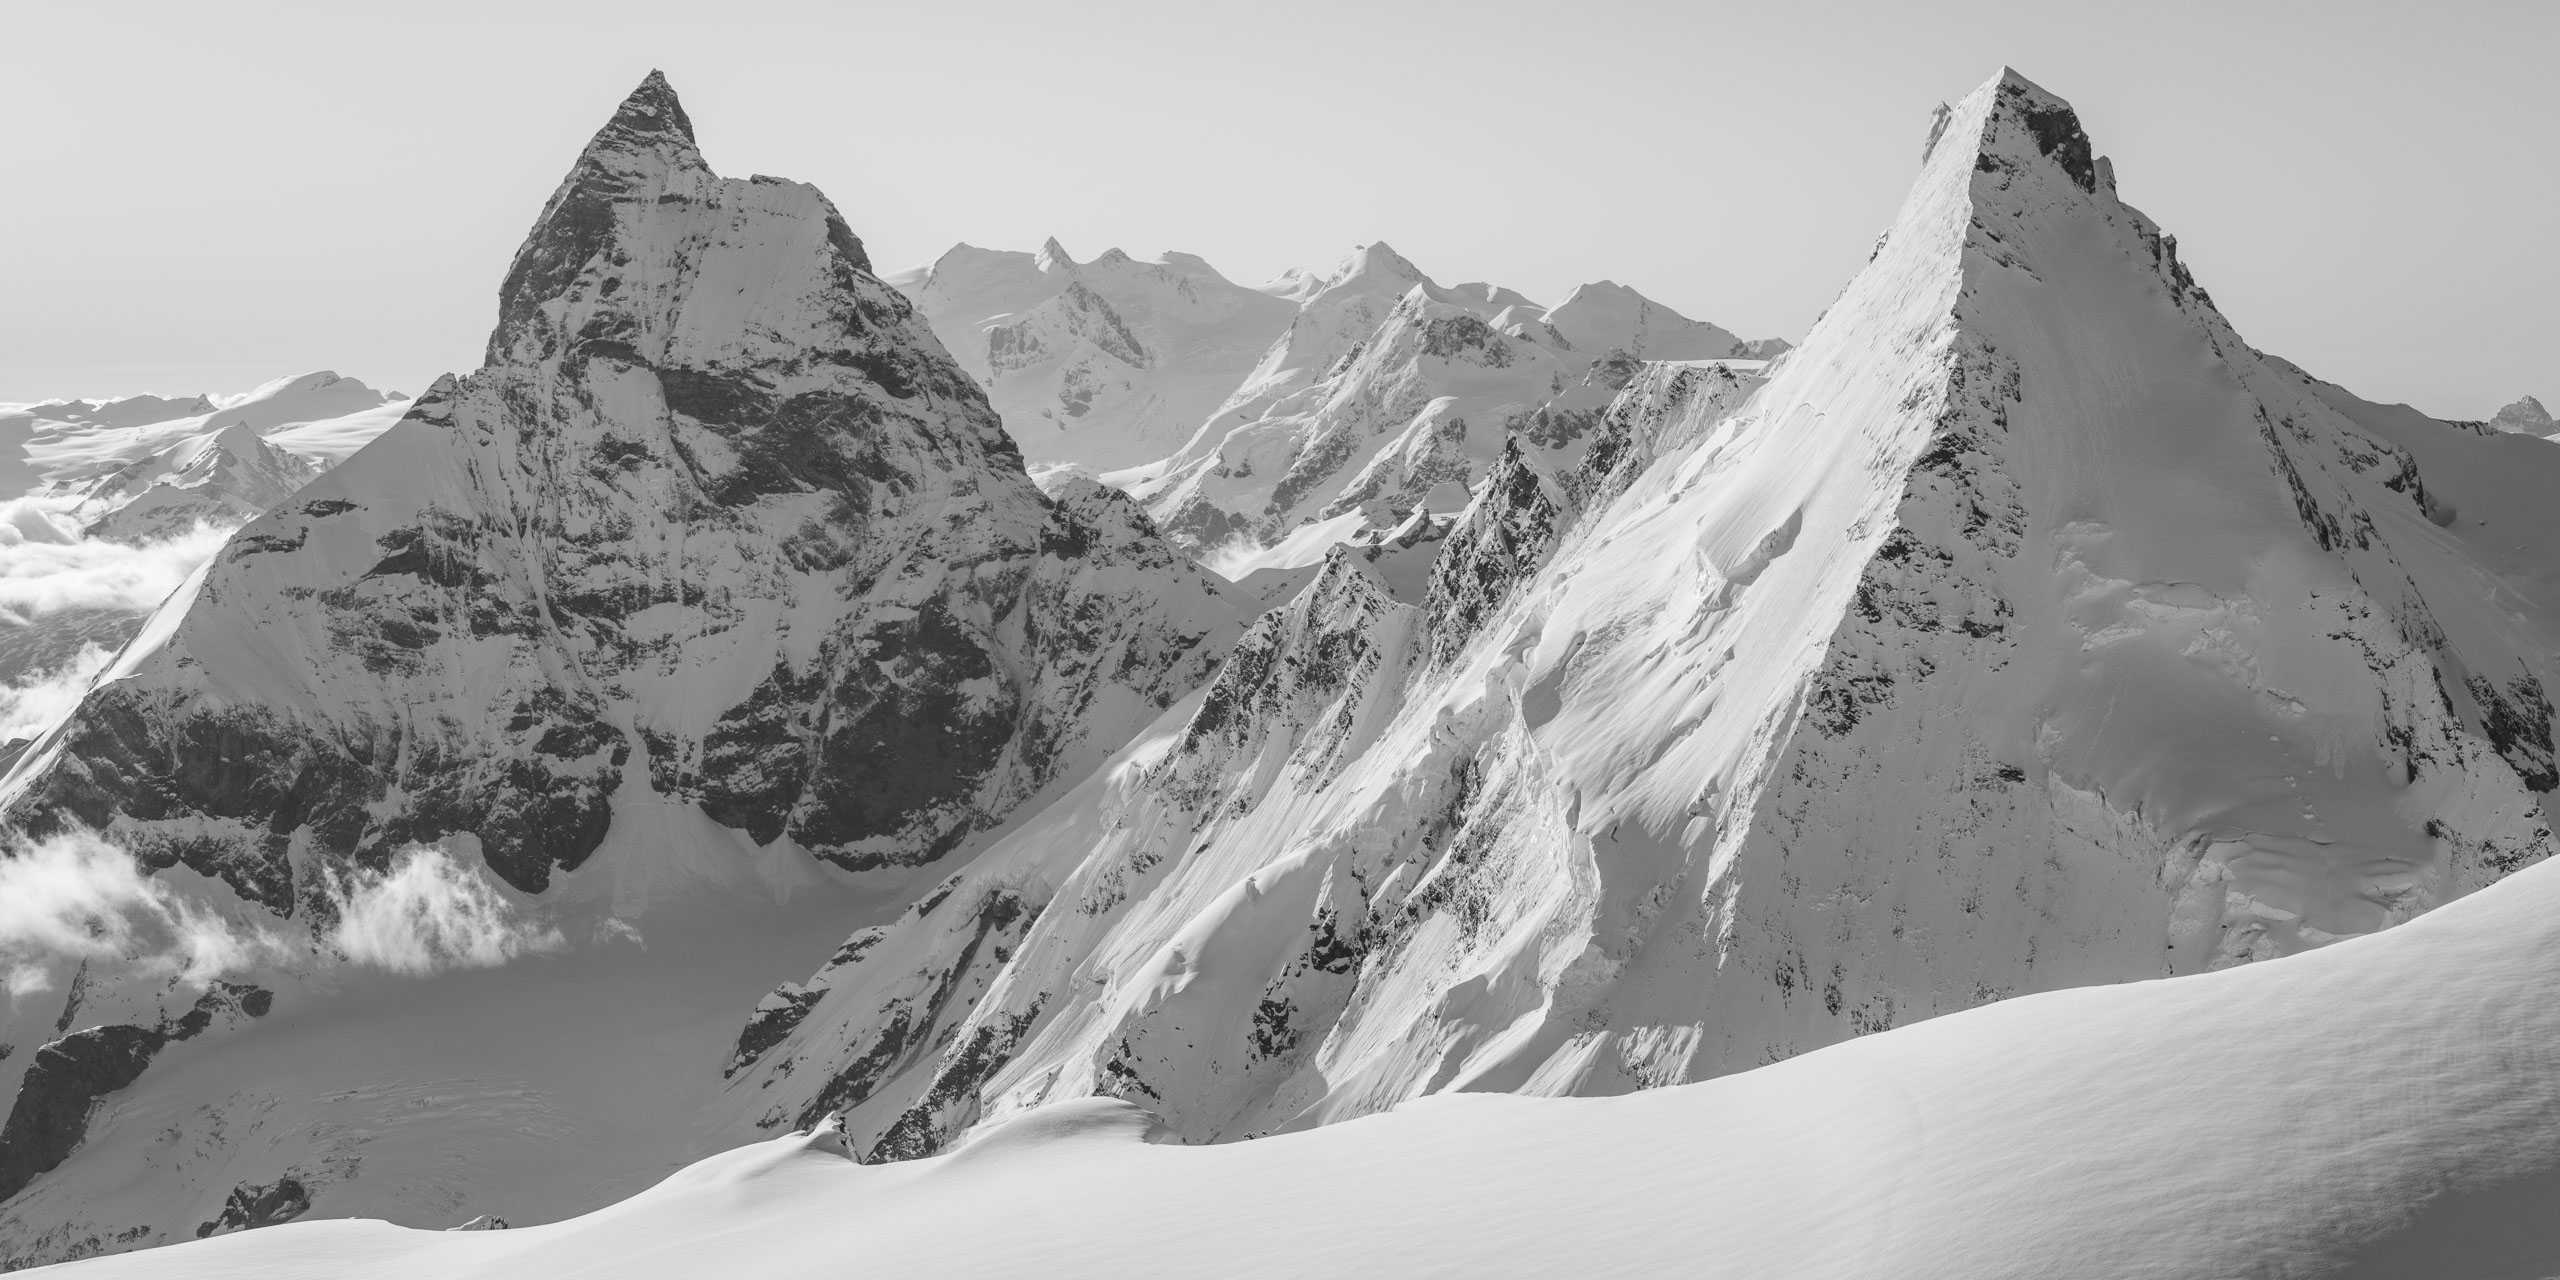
2389	1106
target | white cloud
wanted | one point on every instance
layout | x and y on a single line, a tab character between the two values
35	700
77	897
428	913
39	577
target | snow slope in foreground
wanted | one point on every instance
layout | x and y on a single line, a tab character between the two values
2389	1106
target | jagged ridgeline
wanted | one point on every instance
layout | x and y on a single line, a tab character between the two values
2025	629
718	521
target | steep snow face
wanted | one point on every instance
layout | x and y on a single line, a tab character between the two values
2382	1108
1098	365
2025	630
719	563
1390	394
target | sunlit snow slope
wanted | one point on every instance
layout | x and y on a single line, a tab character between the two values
2025	630
2386	1108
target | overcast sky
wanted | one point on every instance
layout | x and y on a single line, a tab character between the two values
201	197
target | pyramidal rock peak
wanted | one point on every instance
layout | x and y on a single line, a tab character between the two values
717	575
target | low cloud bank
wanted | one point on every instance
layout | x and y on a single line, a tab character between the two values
33	702
40	575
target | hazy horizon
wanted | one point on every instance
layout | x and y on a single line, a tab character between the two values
209	201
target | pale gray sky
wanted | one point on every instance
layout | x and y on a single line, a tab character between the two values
200	197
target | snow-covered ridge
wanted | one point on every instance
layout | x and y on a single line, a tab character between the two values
2026	629
1102	364
1270	424
1392	394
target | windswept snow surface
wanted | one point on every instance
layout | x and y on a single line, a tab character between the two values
2025	630
2388	1107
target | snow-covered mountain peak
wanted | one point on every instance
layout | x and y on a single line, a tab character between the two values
719	579
1607	316
2526	416
2024	629
1375	266
601	260
1368	269
651	110
1052	258
222	477
300	398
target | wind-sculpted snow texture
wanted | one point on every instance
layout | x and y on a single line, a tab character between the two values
2025	630
718	524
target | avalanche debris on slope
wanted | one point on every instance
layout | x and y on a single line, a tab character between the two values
2026	630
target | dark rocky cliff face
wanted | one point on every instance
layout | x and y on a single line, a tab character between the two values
70	1075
